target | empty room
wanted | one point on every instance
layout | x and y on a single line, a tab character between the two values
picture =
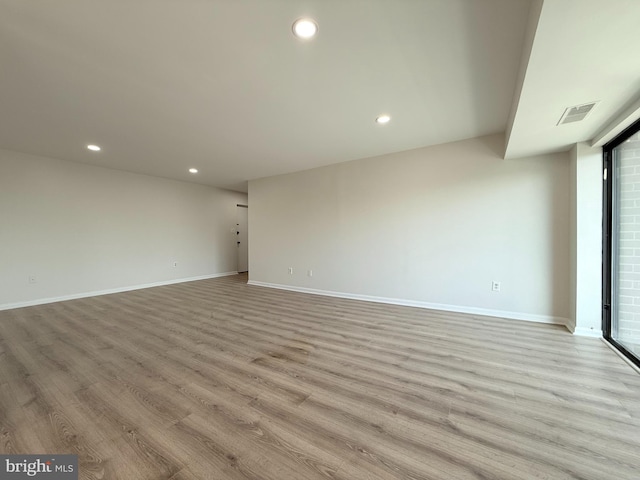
320	239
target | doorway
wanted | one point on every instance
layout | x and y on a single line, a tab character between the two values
621	272
242	237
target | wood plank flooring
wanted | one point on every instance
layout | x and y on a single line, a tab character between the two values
220	380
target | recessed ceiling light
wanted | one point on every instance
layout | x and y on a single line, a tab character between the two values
305	28
94	148
382	119
193	170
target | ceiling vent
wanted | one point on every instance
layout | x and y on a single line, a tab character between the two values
577	113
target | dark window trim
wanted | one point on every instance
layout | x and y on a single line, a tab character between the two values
630	356
607	210
607	237
622	136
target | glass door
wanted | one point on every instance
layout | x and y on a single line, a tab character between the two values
622	242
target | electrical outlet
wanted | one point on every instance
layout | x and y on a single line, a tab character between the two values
290	270
33	279
495	286
310	273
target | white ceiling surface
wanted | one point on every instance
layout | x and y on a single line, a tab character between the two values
222	85
583	51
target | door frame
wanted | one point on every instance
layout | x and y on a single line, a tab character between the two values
609	201
240	205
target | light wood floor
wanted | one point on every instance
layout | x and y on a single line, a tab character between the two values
220	380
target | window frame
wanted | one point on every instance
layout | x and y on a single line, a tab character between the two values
608	174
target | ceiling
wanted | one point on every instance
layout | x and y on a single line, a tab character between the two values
224	86
583	51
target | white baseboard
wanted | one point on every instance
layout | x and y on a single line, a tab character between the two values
413	303
583	332
587	332
42	301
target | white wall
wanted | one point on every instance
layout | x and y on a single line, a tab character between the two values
81	229
586	240
431	227
573	236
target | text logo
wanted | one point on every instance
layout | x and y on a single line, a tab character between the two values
49	467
